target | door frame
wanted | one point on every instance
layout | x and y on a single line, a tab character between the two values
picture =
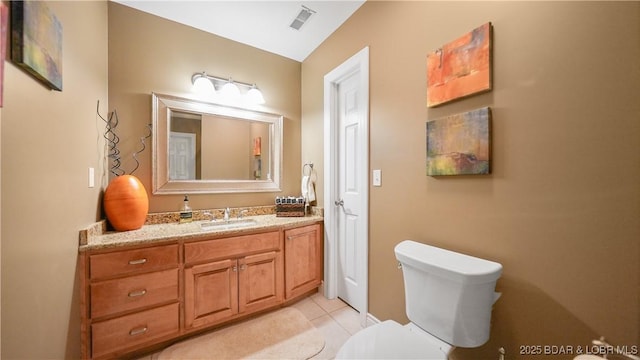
357	63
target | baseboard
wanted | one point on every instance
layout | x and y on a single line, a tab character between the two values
371	320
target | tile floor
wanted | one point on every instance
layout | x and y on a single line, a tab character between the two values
335	320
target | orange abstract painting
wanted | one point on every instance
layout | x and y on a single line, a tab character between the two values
460	68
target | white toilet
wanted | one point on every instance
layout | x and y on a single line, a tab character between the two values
448	296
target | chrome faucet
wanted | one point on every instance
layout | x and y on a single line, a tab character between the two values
226	214
210	215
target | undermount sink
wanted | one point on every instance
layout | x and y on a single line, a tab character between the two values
226	224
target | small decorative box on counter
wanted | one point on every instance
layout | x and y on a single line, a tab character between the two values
289	206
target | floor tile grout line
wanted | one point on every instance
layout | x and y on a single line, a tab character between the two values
330	313
324	309
338	322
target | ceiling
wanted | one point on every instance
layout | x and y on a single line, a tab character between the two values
261	24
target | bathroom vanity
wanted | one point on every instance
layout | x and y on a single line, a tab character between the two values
148	287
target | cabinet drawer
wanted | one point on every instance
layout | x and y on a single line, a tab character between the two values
130	261
131	330
117	295
231	247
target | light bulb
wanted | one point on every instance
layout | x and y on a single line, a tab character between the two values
230	92
203	87
254	95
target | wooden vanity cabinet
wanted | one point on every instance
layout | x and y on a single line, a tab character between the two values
303	248
232	277
133	299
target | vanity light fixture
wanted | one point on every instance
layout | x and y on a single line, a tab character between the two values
228	90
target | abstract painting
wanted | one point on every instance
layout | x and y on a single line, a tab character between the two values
3	45
257	146
460	68
460	144
36	41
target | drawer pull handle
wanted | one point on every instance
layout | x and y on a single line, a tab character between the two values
137	293
138	331
138	261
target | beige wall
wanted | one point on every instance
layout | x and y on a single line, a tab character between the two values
224	156
49	140
150	54
560	210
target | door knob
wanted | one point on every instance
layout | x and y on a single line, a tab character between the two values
339	202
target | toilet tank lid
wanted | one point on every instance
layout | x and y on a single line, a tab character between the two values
460	267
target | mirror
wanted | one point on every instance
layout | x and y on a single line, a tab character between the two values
201	147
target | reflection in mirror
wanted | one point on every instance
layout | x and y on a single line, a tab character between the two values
201	147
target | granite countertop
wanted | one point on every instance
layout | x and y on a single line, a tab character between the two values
97	237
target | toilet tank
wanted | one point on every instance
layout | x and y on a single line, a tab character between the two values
448	294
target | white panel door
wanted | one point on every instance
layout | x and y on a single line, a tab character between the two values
350	162
346	182
182	156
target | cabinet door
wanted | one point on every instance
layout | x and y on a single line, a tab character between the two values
261	281
210	293
303	260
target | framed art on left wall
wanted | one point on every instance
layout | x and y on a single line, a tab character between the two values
4	21
36	41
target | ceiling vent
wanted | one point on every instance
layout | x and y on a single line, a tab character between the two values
304	15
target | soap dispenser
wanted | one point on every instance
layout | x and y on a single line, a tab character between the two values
186	214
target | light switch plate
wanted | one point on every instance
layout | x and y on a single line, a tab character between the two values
92	177
377	177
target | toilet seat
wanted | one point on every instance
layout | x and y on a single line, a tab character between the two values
390	340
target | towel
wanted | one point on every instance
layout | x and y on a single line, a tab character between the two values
307	188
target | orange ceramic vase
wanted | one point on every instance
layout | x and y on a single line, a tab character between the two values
126	203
